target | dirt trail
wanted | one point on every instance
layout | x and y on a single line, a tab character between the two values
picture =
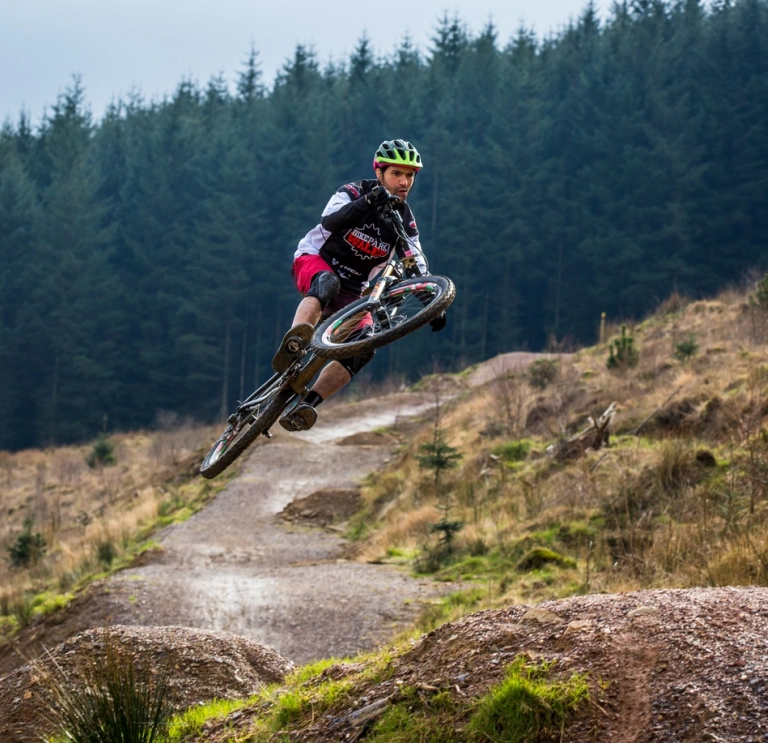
238	566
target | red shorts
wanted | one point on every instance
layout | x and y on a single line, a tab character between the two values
303	271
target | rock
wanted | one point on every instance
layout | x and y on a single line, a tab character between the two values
641	611
577	626
541	616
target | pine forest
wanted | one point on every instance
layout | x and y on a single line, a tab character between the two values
145	256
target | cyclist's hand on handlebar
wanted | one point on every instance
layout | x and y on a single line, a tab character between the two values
378	196
438	323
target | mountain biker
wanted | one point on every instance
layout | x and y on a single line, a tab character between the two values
334	262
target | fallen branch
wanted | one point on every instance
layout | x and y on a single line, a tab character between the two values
594	437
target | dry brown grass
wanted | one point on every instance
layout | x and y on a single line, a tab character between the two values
679	499
89	517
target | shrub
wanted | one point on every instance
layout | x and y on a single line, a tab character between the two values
538	557
757	311
28	547
513	451
112	699
675	302
447	530
686	348
543	372
759	299
106	552
102	454
622	353
22	608
438	456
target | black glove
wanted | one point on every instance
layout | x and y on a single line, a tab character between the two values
438	323
378	197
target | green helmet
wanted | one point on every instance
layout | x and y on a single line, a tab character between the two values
397	152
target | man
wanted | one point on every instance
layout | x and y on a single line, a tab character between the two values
335	261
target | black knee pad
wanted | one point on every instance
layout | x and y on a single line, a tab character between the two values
356	363
325	287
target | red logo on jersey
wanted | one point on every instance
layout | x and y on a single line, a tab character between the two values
366	246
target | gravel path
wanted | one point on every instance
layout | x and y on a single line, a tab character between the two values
237	566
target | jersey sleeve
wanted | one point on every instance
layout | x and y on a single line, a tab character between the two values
343	211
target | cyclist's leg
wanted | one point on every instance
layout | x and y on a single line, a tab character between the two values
338	373
320	286
333	377
323	289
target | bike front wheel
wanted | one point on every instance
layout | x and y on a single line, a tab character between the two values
246	424
403	308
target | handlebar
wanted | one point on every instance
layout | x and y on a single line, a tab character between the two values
403	250
391	215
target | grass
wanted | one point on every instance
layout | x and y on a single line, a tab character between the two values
513	451
672	502
48	602
529	701
94	521
184	726
307	694
112	699
525	704
413	717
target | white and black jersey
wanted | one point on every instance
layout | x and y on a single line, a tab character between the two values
354	240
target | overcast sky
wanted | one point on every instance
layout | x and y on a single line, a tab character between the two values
151	45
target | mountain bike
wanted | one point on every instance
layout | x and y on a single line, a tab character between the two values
400	301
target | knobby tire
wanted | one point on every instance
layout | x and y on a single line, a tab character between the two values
326	345
212	465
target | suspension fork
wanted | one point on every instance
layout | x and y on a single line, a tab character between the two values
386	277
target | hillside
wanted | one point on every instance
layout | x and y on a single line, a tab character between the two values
631	546
660	666
247	563
675	497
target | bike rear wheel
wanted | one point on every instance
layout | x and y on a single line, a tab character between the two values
404	307
244	426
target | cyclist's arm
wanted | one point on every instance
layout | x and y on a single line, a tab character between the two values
343	212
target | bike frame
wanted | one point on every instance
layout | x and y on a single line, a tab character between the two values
297	377
304	369
403	256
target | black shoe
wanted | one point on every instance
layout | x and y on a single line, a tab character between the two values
300	418
294	342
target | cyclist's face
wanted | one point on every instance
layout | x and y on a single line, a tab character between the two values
397	180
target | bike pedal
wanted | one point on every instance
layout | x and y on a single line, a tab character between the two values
296	340
294	345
